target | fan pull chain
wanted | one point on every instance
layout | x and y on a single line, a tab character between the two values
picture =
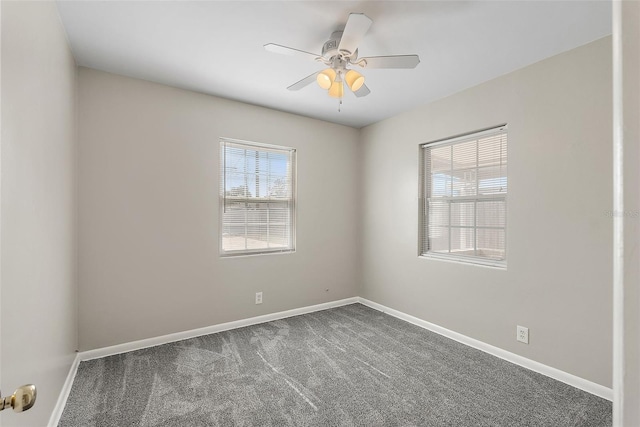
339	105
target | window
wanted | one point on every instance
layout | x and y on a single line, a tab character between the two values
257	198
464	198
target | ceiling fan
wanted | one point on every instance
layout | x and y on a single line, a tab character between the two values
340	53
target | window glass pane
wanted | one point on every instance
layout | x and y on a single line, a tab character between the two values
492	151
256	195
278	236
441	159
462	241
464	169
440	185
491	243
440	167
439	239
465	186
491	213
257	237
464	182
492	179
439	213
464	155
278	187
463	213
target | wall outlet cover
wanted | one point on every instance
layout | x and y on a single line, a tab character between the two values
522	334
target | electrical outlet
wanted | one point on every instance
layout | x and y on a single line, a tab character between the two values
522	334
258	297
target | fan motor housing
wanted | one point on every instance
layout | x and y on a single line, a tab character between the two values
330	47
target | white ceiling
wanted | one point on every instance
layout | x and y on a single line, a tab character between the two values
215	47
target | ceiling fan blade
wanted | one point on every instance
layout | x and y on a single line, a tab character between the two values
304	82
396	61
284	50
357	26
363	91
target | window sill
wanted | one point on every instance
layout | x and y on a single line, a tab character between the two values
498	265
252	254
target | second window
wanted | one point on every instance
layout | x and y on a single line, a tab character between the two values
464	195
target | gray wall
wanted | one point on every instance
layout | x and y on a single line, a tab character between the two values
559	238
38	209
148	206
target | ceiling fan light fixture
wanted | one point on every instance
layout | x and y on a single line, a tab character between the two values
340	53
354	80
336	90
325	78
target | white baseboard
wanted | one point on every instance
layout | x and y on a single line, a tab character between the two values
64	393
572	380
179	336
557	374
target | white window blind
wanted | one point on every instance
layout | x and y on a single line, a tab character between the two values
257	198
464	198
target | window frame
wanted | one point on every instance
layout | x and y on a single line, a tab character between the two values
222	197
423	219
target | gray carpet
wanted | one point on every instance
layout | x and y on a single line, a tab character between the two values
348	366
